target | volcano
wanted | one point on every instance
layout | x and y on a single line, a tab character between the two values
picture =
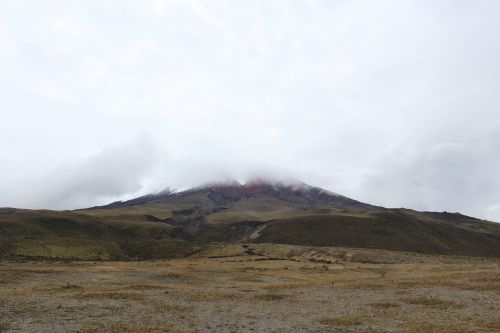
217	195
174	223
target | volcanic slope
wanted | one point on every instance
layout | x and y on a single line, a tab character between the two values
178	224
296	213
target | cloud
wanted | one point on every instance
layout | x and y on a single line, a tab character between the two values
114	172
453	176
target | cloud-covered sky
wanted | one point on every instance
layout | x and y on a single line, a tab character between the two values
395	103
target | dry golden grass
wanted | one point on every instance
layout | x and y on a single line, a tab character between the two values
175	308
246	278
433	302
385	305
173	275
148	286
367	286
494	325
234	294
124	296
269	297
447	324
4	325
284	286
475	284
213	296
129	326
342	321
71	287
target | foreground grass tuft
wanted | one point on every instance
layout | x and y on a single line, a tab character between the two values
269	297
111	296
4	326
385	305
433	302
341	321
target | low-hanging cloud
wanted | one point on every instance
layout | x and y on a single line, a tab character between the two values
111	173
457	176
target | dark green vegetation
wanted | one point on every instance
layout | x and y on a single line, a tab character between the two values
398	230
52	234
170	224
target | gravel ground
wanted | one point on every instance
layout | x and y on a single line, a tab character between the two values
241	294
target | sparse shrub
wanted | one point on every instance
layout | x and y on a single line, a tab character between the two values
129	326
175	275
269	297
111	295
70	286
212	296
385	305
4	326
366	286
169	308
341	321
422	324
433	302
494	325
284	286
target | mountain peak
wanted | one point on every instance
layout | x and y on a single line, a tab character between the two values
290	193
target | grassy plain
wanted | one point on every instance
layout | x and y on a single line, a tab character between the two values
255	288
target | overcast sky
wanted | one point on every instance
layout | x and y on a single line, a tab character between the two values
394	103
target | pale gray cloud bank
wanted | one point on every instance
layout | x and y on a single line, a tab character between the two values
396	103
